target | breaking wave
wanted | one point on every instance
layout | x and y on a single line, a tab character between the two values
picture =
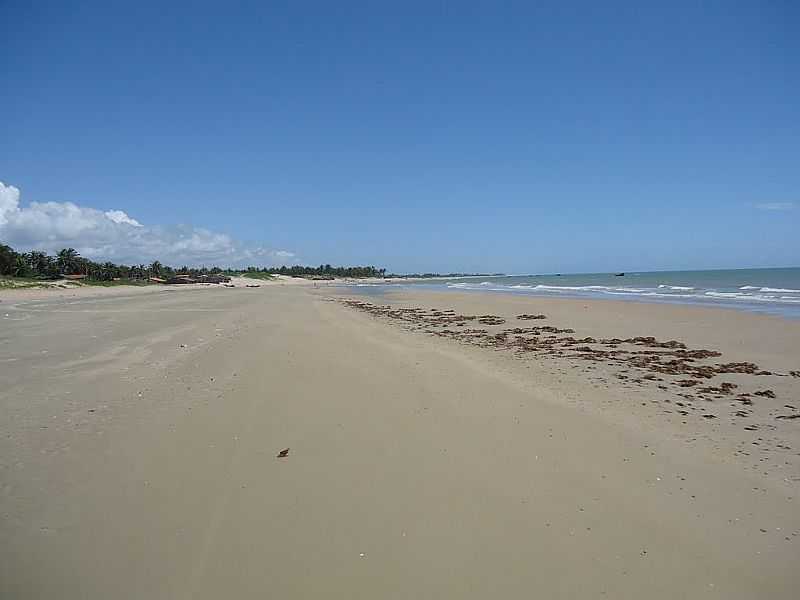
745	294
779	290
763	290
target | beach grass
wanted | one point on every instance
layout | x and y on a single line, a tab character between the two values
21	282
134	282
34	283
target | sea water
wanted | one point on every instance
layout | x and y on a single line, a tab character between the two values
776	291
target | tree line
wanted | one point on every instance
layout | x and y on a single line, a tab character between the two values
323	271
37	264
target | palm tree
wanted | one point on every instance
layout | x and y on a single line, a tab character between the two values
39	262
21	268
110	270
66	260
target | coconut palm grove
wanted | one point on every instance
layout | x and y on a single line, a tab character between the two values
40	265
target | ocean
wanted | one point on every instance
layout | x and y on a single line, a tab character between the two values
775	291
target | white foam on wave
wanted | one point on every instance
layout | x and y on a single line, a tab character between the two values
571	288
662	295
624	292
648	293
662	291
484	287
771	290
763	298
779	290
780	300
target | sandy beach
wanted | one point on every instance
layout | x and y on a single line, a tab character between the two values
141	428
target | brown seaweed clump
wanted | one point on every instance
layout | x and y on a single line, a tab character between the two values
645	353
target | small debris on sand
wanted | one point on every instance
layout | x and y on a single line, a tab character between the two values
724	388
687	382
283	453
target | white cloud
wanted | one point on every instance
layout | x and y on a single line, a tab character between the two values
119	216
9	201
775	206
114	235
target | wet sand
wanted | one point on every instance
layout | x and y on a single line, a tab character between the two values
140	433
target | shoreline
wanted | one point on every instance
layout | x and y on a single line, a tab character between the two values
733	421
750	293
388	292
790	312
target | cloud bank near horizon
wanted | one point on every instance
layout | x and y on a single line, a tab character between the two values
114	235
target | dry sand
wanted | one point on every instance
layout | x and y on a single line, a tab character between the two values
140	431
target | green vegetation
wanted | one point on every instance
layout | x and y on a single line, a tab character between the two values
19	283
35	266
258	275
112	282
322	271
29	269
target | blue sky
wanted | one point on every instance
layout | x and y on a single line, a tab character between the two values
495	136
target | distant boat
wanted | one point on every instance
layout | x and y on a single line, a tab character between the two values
619	274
